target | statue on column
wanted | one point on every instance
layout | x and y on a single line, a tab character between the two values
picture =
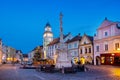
62	60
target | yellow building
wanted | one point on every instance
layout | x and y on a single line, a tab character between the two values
86	48
11	54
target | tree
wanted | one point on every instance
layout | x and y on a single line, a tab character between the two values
37	54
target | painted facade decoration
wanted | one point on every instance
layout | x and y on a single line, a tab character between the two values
86	48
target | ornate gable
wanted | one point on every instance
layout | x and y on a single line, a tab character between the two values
85	40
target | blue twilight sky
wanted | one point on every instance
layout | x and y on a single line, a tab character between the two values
22	21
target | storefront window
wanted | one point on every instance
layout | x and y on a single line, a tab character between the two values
117	60
102	60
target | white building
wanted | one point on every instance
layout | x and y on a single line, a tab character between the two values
73	48
107	43
19	56
31	55
54	45
4	56
47	38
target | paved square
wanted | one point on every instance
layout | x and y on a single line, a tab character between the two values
103	72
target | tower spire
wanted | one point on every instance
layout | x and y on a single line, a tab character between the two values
61	29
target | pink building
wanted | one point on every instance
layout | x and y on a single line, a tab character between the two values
107	43
1	51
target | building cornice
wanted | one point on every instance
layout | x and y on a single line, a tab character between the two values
107	39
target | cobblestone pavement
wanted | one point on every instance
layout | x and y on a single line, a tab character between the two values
106	72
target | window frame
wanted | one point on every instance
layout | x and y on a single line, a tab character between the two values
106	47
97	48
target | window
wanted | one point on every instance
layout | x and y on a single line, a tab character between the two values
75	45
84	42
97	48
85	50
75	53
106	47
7	50
72	53
89	50
69	46
106	34
116	46
81	51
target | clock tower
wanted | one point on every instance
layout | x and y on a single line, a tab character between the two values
47	38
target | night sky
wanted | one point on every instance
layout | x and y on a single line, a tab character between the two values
22	22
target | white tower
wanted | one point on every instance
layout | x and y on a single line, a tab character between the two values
47	38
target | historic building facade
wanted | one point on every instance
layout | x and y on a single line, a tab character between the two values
54	45
31	55
19	56
47	38
1	53
73	48
11	54
107	43
4	50
86	48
